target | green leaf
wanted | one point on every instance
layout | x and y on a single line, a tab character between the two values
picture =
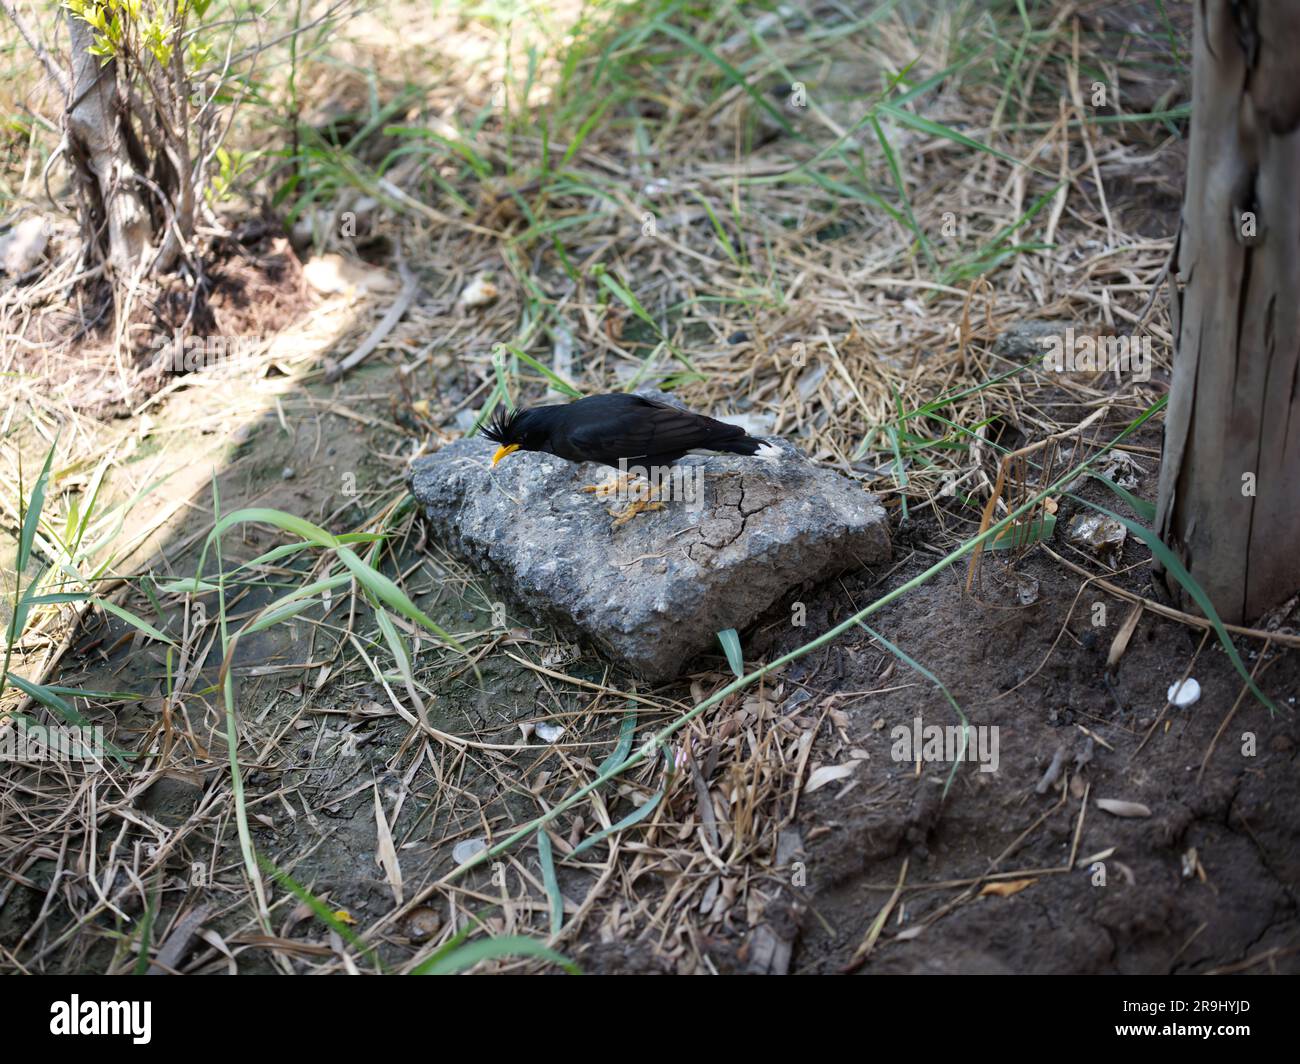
635	817
488	948
549	881
48	697
134	621
730	640
1144	509
503	382
270	618
397	646
731	73
626	298
318	907
1024	533
188	586
560	383
33	515
382	588
626	732
896	171
279	519
280	609
49	700
925	125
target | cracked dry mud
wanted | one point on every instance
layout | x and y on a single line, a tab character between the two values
653	593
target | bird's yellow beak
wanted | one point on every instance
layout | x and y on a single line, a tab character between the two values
502	452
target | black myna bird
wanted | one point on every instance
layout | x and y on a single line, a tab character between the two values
619	430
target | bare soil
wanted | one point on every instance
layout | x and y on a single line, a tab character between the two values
1206	882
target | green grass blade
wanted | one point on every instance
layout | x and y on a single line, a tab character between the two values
916	666
734	76
626	298
1144	509
550	882
134	621
896	172
730	640
1023	534
935	129
382	588
560	383
626	732
635	817
32	516
321	911
187	586
490	948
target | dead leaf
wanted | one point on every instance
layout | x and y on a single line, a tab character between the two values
1102	855
1116	807
828	774
1120	643
387	852
333	274
1005	888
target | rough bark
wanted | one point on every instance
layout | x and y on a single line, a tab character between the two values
99	152
1234	410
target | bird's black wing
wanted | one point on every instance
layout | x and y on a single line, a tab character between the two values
642	430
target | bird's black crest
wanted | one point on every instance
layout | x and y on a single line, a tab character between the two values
502	427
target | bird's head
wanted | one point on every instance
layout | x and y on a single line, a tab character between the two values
515	430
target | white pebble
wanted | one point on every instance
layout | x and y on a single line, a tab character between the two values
467	849
549	732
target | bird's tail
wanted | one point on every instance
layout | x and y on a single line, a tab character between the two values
747	445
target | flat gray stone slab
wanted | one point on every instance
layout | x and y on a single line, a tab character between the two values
653	593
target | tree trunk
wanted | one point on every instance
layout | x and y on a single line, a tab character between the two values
97	145
1230	480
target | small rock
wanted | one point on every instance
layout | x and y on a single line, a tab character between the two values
548	733
1122	468
467	849
422	924
1028	340
1103	536
24	247
1026	589
481	291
